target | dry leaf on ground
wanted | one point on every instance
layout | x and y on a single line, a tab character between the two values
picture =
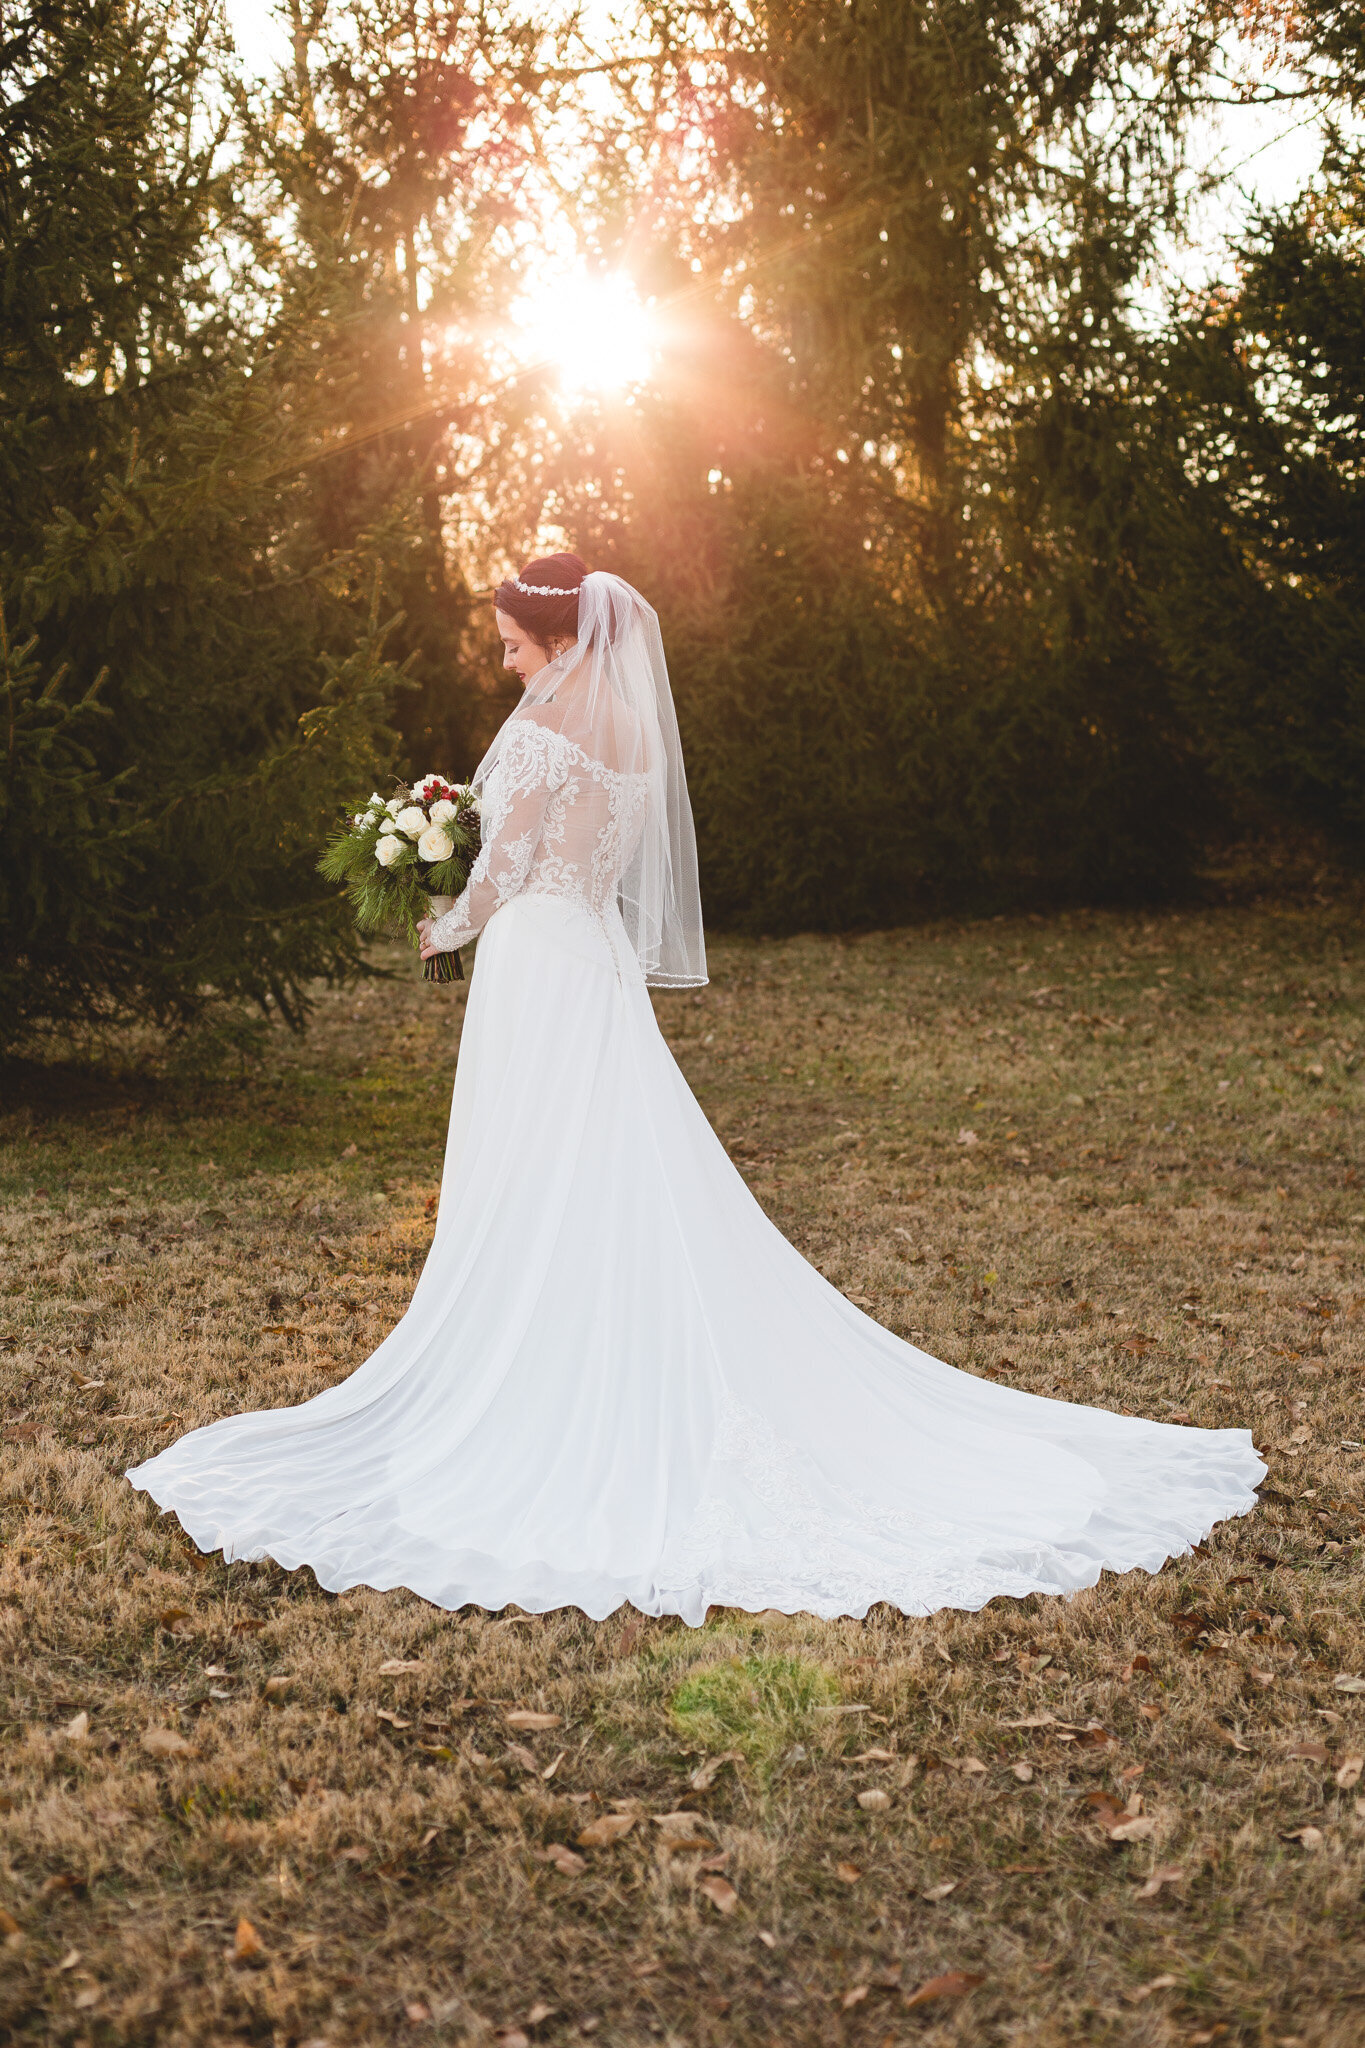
874	1801
165	1742
609	1828
1165	1873
952	1984
523	1719
1141	1991
392	1666
720	1892
705	1775
561	1857
247	1946
1349	1770
849	1873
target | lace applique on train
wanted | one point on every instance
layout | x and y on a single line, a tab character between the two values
555	823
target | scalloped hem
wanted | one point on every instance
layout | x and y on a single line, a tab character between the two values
472	1579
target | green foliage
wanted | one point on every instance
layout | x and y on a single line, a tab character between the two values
762	1705
392	897
195	654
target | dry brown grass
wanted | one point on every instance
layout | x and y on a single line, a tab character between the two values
1161	1211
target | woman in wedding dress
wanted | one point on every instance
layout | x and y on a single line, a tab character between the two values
617	1381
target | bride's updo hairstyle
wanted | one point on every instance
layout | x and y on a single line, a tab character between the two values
543	597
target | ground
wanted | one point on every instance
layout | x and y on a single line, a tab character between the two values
1113	1157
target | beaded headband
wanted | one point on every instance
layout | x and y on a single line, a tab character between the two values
543	589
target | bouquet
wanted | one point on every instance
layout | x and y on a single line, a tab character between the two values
408	856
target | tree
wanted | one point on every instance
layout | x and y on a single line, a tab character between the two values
194	673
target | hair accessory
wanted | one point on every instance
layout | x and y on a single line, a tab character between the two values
543	589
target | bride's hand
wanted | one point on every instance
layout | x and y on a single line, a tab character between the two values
428	951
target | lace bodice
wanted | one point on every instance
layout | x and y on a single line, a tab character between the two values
555	823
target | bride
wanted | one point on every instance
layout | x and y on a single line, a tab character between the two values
617	1381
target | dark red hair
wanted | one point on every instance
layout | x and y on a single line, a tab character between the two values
548	610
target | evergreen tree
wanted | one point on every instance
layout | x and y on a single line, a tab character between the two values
194	672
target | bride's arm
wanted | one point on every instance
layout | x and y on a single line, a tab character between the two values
526	782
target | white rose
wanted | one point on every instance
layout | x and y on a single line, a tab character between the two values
388	850
412	819
394	806
442	812
435	844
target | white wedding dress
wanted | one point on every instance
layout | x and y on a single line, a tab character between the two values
616	1380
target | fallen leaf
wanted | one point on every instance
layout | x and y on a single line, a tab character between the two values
550	1769
1150	1711
61	1881
854	1997
512	2037
1346	1681
720	1892
1307	1838
428	1838
952	1984
394	1720
523	1756
77	1729
849	1873
165	1742
970	1766
873	1756
601	1833
1165	1873
940	1891
1138	1829
392	1666
524	1719
247	1628
70	1959
1034	1721
1023	1772
276	1689
10	1927
874	1801
1309	1752
416	2012
247	1946
1141	1991
705	1775
1349	1770
561	1857
1023	1870
1105	1808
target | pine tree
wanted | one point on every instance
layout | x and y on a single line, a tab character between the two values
194	670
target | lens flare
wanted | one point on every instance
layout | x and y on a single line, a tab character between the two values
592	331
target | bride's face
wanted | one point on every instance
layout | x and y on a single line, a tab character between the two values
523	655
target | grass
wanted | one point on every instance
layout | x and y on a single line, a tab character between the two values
1112	1157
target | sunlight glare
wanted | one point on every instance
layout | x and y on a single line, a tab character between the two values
593	331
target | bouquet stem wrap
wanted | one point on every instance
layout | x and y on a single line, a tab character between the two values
442	966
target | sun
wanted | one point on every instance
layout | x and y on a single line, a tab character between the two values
592	331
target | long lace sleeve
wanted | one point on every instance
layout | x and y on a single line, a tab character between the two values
529	771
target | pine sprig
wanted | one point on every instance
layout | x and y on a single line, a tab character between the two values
388	889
